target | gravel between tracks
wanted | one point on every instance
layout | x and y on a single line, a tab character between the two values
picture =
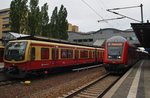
51	86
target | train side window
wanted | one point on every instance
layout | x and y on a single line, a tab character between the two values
83	54
33	53
44	53
66	53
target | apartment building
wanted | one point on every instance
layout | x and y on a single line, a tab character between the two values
4	20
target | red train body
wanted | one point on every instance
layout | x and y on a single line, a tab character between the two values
1	56
119	55
23	57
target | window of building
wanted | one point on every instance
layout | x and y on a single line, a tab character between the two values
5	25
44	53
6	19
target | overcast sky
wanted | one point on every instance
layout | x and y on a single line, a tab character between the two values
86	13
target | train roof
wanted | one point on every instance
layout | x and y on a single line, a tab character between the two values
116	39
45	39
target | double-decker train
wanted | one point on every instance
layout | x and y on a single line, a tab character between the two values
119	55
24	57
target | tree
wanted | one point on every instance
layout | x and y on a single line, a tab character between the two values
59	23
18	15
34	16
63	23
53	24
44	19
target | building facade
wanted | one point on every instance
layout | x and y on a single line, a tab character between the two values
4	20
73	28
98	37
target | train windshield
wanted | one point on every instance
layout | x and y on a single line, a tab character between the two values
115	51
15	51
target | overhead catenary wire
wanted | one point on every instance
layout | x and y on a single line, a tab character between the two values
96	12
92	9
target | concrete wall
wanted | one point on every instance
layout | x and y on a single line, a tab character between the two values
101	35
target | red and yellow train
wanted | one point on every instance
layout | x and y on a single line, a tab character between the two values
119	55
23	57
1	56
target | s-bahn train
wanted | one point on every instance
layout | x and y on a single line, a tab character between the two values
24	57
119	55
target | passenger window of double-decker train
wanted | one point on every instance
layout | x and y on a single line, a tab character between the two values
44	53
33	53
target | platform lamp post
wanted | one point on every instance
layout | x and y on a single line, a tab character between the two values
141	13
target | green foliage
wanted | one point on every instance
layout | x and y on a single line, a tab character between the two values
59	23
34	17
44	19
31	20
18	13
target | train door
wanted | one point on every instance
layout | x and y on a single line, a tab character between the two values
55	55
32	57
76	56
95	55
1	57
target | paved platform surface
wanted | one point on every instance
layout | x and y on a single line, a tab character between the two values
134	84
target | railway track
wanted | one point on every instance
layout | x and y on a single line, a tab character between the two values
4	80
7	82
94	89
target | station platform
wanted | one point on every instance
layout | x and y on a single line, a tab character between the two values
134	84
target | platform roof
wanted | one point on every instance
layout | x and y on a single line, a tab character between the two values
142	31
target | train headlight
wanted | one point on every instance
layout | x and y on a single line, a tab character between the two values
119	57
109	57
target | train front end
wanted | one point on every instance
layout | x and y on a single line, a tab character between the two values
15	58
114	54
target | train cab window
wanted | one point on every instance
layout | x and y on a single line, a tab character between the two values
44	53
